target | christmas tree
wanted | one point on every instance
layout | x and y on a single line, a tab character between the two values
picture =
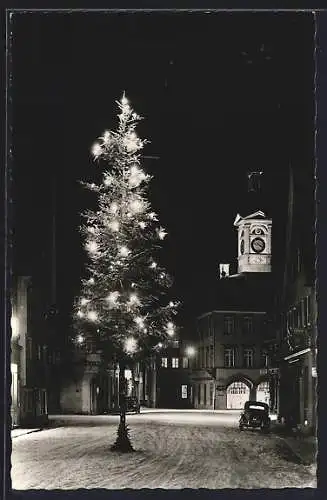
123	305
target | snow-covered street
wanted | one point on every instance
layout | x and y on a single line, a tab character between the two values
187	449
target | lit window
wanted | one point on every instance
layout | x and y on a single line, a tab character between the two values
229	357
164	362
185	362
174	362
248	358
228	325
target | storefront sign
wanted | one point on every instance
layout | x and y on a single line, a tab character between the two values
184	391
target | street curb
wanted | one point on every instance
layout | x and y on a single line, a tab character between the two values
299	458
27	432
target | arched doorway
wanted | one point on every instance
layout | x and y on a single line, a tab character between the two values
263	392
237	394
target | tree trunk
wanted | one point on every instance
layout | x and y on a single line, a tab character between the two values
122	442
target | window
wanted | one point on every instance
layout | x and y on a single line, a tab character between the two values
229	357
228	325
29	348
175	343
248	325
211	394
211	356
164	362
237	388
309	308
205	394
210	326
185	362
199	394
208	357
174	362
305	311
264	358
248	358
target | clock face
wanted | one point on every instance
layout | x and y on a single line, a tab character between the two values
258	245
242	247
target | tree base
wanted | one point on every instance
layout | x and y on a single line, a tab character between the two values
122	443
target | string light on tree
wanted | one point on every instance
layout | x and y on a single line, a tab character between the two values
92	316
97	150
124	251
114	207
107	181
114	225
112	299
139	321
80	314
92	247
136	207
161	233
133	300
130	345
84	301
153	265
106	137
142	225
80	339
170	329
136	176
124	101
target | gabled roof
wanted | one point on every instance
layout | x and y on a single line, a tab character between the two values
256	215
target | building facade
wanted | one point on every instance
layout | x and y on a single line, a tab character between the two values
298	307
28	357
173	385
231	363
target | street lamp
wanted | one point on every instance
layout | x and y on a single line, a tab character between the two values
190	351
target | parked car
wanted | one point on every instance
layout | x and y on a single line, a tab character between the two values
132	405
255	415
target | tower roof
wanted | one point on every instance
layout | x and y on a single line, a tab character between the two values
256	215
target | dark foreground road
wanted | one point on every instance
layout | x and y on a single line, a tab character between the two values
173	450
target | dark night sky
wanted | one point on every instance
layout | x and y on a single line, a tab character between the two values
221	94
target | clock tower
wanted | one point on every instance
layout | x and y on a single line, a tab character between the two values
254	243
